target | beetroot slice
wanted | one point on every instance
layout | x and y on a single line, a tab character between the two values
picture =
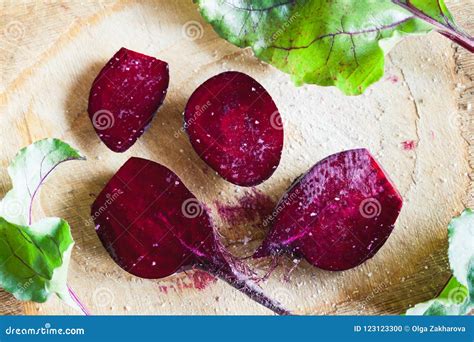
235	127
125	96
337	215
153	226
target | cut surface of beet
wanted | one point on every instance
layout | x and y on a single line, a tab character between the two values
125	96
337	215
153	226
235	127
141	227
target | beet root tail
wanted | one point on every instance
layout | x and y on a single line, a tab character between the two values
244	284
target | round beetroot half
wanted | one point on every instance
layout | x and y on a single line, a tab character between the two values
235	127
153	226
139	215
125	96
337	215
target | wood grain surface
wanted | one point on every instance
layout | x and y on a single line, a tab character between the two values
50	53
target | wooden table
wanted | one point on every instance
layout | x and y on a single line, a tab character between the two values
51	52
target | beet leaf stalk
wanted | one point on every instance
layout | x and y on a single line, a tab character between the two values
436	13
77	301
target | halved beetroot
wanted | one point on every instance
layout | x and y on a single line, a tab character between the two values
337	215
235	127
153	226
125	96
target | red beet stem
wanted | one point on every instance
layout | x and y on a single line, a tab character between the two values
241	282
232	270
78	301
449	30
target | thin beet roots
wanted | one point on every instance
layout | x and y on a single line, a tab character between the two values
242	283
153	226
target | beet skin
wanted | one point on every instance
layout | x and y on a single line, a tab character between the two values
337	215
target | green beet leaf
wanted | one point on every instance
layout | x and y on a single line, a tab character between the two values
330	43
461	245
34	257
28	171
457	297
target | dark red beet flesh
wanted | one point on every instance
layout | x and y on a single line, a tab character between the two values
153	226
125	96
337	215
235	127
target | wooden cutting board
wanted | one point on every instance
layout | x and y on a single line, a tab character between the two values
417	121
